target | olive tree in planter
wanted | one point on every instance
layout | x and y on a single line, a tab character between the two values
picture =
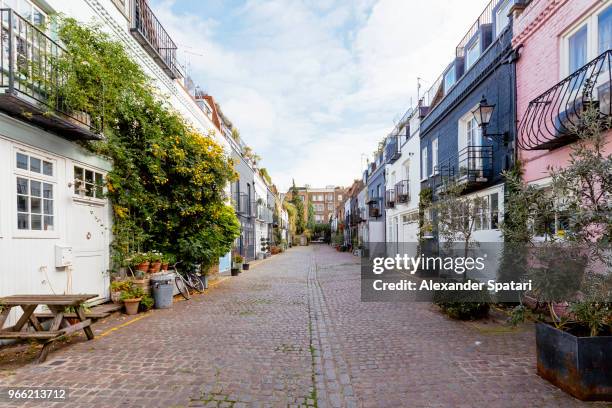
237	264
571	272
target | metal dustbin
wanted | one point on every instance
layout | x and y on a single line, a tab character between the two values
162	286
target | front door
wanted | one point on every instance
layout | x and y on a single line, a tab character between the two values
88	233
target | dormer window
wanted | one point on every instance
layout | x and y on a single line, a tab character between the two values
449	79
472	54
501	16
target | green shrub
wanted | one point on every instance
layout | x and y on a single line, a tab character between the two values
465	310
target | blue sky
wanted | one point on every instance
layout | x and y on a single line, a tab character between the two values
313	85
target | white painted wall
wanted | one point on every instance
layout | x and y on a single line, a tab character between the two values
261	227
81	223
489	235
405	168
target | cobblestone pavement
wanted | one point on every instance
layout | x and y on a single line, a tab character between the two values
293	332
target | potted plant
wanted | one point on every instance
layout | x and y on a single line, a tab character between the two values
141	262
156	261
237	263
573	347
167	260
146	303
117	287
131	299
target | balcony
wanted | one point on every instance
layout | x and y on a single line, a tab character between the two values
390	198
28	77
264	213
471	168
402	192
375	207
555	118
152	36
392	149
242	205
355	219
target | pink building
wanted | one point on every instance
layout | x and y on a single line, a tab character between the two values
564	65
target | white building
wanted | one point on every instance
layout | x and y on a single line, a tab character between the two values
263	218
404	183
54	221
362	229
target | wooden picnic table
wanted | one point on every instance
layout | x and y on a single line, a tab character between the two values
60	326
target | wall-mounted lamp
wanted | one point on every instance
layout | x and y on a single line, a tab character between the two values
483	114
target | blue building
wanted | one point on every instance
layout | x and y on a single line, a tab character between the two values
375	199
468	134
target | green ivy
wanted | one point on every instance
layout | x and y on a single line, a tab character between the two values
167	183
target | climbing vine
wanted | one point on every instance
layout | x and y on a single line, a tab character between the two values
167	183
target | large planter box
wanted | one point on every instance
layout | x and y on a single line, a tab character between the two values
581	366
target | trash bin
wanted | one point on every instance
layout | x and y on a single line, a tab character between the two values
162	286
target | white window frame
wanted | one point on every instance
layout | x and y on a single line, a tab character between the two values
451	72
502	14
591	21
29	175
468	62
434	156
86	199
424	163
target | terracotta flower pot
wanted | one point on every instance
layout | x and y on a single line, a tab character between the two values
131	306
155	267
165	266
144	284
143	266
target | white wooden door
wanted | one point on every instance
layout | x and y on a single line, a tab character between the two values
88	233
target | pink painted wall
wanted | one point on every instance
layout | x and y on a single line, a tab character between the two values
538	30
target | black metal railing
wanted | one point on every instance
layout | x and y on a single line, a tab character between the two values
149	32
355	218
392	149
375	205
554	118
402	191
390	198
31	80
241	204
472	165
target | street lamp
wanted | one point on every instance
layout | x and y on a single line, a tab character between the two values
483	113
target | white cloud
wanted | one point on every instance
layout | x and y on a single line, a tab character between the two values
314	85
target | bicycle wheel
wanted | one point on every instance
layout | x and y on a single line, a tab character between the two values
194	282
182	287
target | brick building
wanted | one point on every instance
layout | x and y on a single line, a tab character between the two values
324	201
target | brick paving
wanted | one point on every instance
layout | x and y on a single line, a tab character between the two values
292	332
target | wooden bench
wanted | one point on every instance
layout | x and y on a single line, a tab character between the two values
60	326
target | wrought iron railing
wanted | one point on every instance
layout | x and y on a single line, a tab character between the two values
402	191
31	80
392	149
390	198
149	32
375	205
473	164
554	118
355	218
486	17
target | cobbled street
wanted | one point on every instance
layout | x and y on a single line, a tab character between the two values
293	332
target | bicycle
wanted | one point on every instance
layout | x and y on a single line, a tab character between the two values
186	280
